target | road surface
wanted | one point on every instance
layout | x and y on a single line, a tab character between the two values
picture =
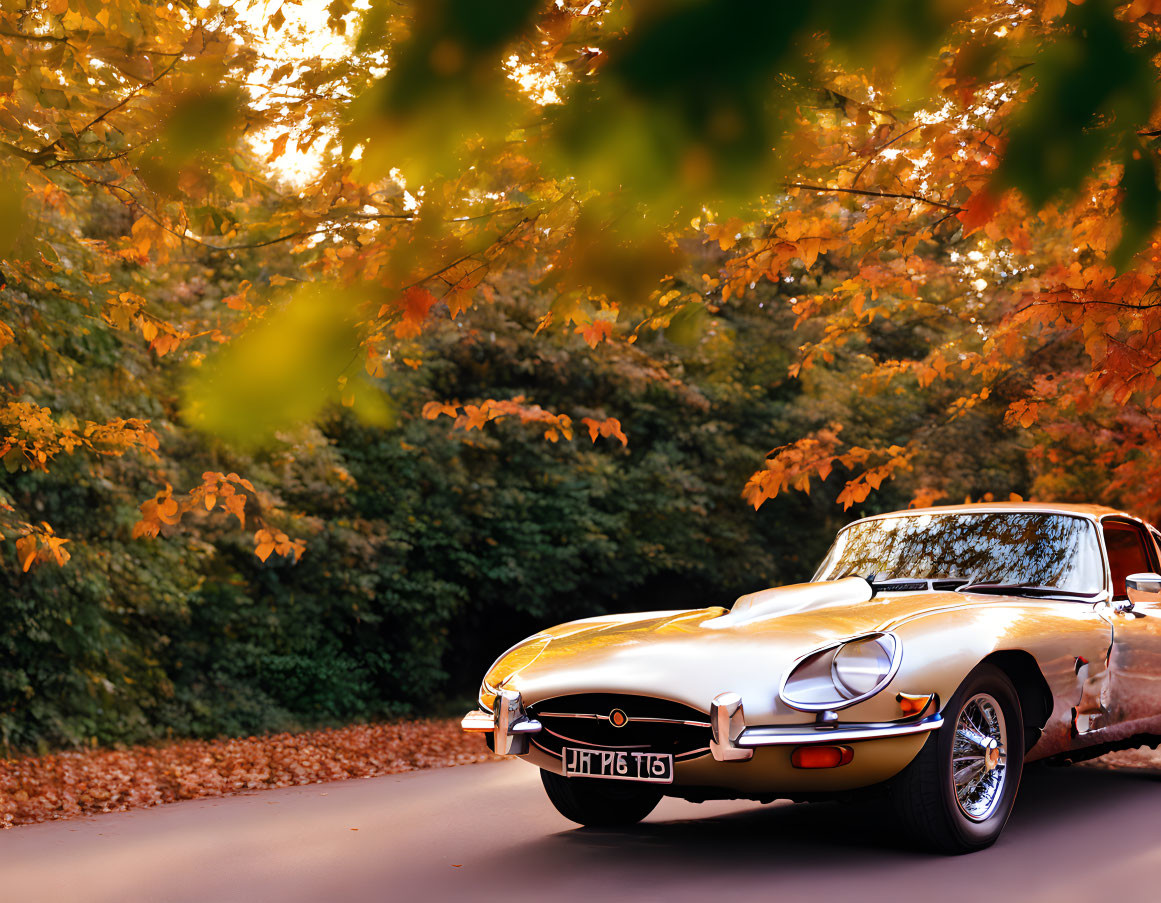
486	832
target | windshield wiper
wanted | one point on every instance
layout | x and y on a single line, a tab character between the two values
916	584
1023	589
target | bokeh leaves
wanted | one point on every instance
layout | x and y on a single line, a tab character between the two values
1096	89
283	370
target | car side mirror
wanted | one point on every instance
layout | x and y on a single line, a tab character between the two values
1143	589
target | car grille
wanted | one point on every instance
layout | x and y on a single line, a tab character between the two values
652	725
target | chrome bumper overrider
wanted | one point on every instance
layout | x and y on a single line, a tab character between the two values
509	724
731	740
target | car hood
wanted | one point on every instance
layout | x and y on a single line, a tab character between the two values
691	656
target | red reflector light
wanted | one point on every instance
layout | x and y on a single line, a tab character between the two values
821	756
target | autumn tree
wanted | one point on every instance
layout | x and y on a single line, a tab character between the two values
988	166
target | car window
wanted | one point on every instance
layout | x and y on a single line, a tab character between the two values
1006	547
1128	553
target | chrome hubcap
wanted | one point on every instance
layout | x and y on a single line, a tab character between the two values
979	757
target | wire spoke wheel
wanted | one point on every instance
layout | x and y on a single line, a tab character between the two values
979	757
957	793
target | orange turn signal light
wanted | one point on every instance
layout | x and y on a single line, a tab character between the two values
912	703
821	756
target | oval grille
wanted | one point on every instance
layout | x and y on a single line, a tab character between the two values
652	725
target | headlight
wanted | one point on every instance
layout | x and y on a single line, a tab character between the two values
859	668
842	674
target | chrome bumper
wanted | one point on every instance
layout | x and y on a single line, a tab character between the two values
840	733
730	739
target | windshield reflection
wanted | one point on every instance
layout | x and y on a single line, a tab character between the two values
1055	550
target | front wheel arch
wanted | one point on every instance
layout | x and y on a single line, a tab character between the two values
1031	686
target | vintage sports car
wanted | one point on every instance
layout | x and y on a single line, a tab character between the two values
936	652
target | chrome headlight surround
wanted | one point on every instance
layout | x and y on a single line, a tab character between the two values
842	674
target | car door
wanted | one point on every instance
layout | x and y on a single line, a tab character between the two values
1135	655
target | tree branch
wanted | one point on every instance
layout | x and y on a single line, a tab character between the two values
877	194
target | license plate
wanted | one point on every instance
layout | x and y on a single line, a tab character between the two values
618	765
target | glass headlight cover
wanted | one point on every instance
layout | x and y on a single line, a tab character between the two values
841	674
861	667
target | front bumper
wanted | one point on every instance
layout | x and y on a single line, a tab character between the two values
732	739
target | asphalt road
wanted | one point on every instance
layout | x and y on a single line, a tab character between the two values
486	832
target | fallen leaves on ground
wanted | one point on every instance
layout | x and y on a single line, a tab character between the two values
70	784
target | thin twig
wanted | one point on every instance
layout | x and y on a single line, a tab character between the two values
877	194
880	149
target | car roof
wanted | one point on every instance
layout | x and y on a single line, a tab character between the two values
1091	512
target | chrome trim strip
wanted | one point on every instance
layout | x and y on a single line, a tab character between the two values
570	715
798	735
572	741
631	718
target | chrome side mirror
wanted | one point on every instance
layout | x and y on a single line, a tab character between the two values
1143	589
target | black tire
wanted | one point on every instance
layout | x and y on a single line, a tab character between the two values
600	804
924	797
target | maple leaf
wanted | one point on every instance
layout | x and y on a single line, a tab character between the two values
414	303
596	332
978	211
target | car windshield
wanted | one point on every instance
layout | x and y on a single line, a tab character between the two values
1023	548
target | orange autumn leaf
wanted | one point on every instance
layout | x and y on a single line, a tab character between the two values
264	544
267	542
978	210
433	409
609	427
26	551
414	304
596	332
